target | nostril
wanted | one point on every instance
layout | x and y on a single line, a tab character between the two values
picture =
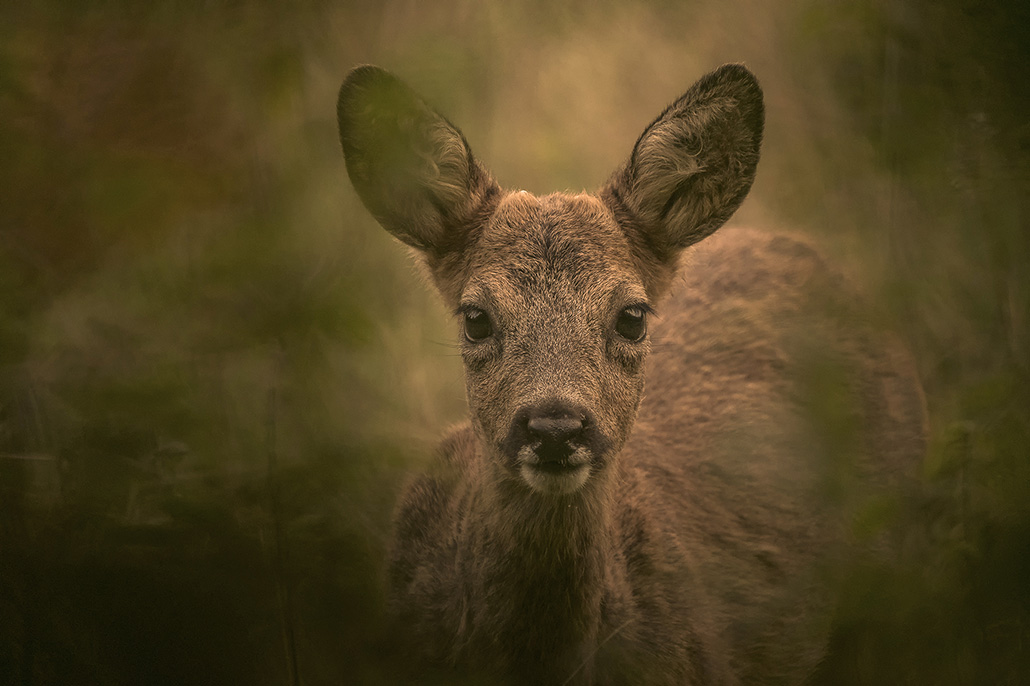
554	433
556	429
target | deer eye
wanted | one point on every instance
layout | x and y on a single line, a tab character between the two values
477	325
632	323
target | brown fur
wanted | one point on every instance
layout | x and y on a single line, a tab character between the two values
685	536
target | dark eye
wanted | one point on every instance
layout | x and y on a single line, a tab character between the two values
632	324
477	325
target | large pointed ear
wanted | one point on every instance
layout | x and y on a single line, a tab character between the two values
412	168
692	167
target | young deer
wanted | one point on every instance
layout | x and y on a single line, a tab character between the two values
578	530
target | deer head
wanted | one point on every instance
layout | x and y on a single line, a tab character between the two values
553	293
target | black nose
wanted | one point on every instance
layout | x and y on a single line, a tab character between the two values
555	428
555	422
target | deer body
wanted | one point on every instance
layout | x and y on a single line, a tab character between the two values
581	529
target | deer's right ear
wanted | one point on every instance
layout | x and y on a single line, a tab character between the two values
412	168
692	167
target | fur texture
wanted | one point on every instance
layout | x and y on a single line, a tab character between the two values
578	531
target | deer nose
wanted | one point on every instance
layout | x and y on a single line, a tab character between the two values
556	427
556	433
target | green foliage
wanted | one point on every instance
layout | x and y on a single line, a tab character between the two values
215	369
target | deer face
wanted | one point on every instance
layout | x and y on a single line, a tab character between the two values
553	294
554	336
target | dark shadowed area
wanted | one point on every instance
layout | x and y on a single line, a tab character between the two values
216	369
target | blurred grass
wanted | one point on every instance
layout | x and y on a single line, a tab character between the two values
180	246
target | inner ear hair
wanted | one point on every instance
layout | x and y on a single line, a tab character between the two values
694	165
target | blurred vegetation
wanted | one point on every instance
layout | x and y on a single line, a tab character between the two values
215	369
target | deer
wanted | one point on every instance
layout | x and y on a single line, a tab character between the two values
586	527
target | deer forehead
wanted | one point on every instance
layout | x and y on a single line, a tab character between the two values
559	251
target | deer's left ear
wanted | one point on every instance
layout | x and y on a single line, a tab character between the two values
412	168
693	166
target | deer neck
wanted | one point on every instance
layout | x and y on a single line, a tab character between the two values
547	564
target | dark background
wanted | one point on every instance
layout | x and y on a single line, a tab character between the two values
215	369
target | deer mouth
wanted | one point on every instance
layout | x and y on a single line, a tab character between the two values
554	470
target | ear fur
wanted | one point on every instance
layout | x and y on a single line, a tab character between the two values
411	168
693	166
